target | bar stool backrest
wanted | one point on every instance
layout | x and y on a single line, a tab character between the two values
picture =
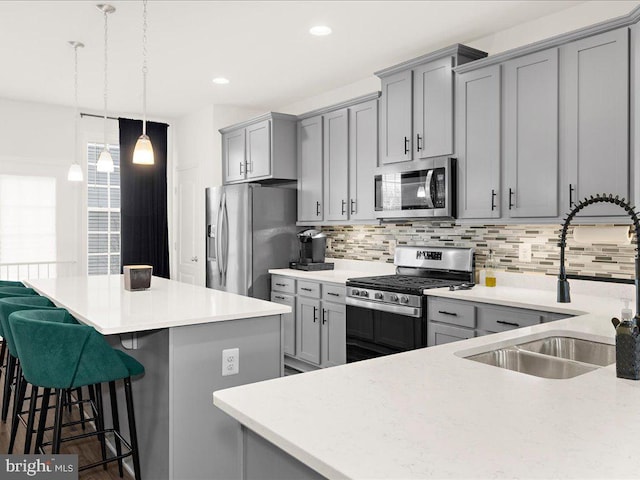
13	304
16	291
11	283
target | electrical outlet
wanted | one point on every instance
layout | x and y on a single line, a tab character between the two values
230	361
524	252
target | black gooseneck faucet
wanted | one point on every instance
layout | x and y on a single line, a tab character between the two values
563	284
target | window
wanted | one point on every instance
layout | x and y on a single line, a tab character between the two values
103	213
27	219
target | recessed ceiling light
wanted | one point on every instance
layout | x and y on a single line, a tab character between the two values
320	30
220	81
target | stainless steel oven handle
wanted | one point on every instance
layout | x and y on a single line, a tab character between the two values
384	307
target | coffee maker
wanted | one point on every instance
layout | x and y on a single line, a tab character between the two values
313	244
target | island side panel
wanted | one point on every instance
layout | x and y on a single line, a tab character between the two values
262	460
205	442
150	398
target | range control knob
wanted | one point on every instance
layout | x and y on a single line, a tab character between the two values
404	299
364	293
378	296
355	293
393	298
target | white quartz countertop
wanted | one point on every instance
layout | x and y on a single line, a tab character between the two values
102	302
343	270
431	413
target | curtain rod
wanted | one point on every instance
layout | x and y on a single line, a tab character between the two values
95	116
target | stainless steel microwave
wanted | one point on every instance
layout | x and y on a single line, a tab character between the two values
424	193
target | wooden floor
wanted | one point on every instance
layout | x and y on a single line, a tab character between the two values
88	449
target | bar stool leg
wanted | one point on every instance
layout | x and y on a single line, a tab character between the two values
57	425
80	406
30	420
42	421
133	434
116	423
18	401
103	447
8	378
3	352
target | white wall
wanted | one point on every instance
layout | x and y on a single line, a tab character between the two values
582	15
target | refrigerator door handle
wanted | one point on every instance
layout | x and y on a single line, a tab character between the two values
219	240
225	238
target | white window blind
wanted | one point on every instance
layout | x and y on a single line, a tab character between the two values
27	219
103	212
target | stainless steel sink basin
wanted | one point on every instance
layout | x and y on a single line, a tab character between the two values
577	349
555	357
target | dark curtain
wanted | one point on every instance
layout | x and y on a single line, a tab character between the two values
143	203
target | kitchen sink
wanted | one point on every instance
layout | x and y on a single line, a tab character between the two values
556	357
586	351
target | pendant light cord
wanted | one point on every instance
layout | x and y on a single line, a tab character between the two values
76	115
144	67
106	37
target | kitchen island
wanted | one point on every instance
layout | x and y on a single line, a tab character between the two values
178	331
431	413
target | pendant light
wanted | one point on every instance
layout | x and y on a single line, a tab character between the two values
75	171
143	151
105	162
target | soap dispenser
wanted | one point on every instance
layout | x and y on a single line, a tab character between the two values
627	344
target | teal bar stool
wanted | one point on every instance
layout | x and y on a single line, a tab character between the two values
63	356
16	291
9	305
10	283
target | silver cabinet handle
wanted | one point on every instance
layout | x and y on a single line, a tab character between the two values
353	206
315	314
406	145
493	198
333	294
511	205
194	259
324	316
241	165
279	297
344	207
317	209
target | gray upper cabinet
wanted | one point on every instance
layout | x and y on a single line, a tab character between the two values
233	155
478	142
433	109
336	164
595	110
395	118
337	156
530	135
363	157
263	148
310	169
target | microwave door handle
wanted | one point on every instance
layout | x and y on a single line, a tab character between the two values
428	184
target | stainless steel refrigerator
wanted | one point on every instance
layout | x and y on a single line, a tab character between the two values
250	229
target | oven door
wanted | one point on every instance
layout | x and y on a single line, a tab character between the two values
375	329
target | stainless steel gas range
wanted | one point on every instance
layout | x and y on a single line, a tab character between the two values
387	314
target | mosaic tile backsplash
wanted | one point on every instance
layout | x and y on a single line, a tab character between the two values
377	243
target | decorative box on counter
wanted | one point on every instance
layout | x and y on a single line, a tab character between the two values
137	277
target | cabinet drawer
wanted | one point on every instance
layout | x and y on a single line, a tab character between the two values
283	298
309	289
438	334
500	320
283	284
333	293
451	311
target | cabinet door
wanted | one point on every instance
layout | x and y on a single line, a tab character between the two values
363	159
334	334
308	329
531	135
259	150
438	334
336	164
233	155
433	109
288	321
478	137
310	169
595	130
395	118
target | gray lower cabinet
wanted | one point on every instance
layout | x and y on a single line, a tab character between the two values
395	118
450	320
263	148
595	107
336	164
310	169
315	334
530	135
478	142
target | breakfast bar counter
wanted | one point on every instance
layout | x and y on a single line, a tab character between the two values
178	332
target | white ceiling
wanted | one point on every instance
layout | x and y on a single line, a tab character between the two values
263	47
